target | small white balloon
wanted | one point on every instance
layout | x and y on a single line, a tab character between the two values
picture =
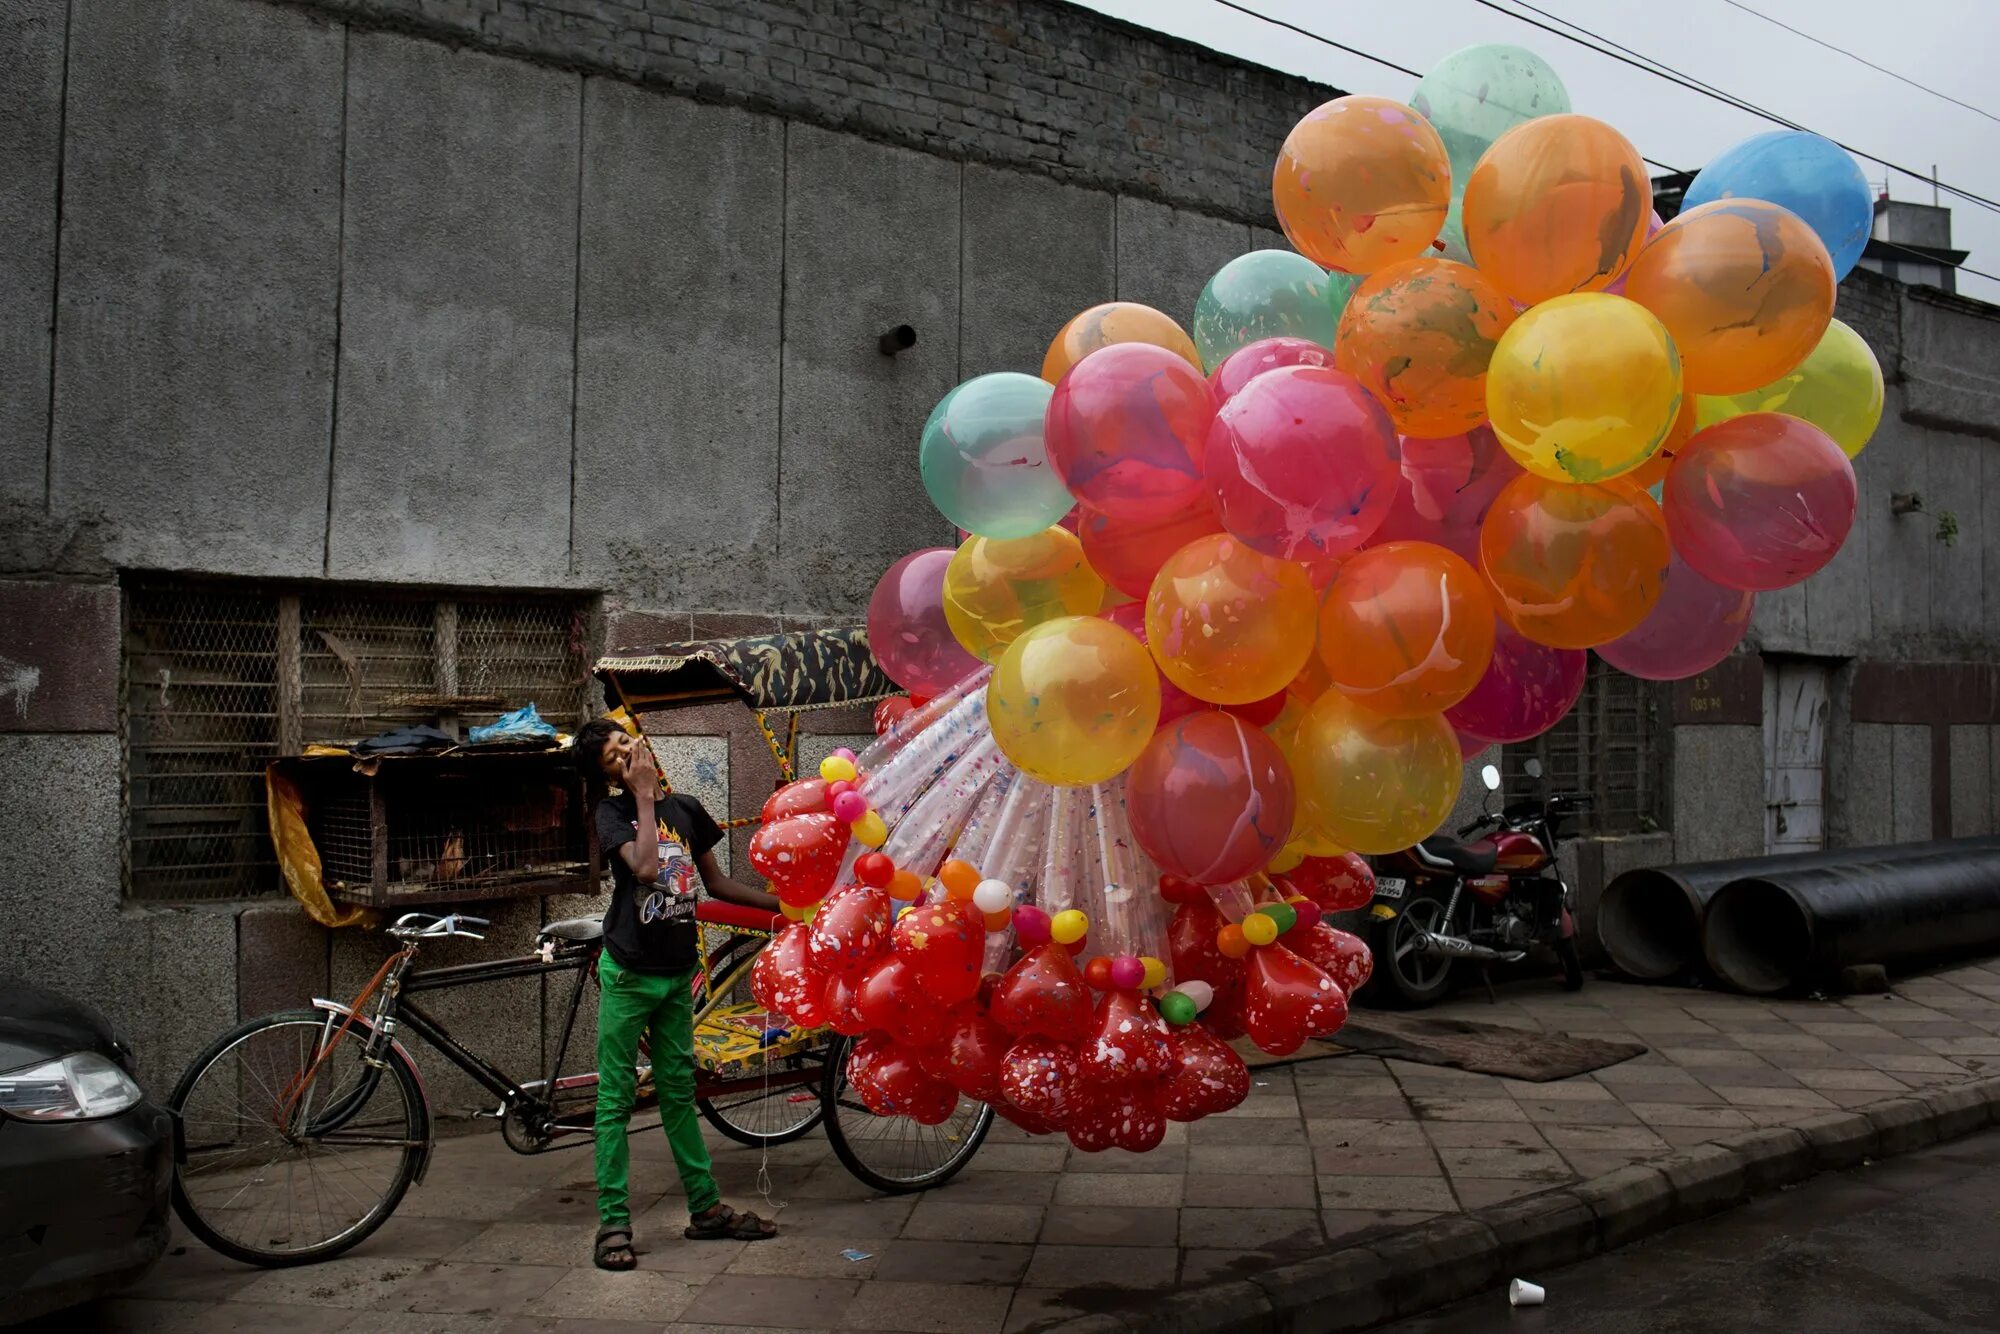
993	896
1201	993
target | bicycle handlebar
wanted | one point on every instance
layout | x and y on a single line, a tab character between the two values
430	926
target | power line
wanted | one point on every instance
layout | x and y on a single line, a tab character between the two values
1663	166
1858	59
1661	70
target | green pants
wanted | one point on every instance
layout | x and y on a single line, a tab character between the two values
632	1005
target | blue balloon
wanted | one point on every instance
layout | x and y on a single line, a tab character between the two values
1811	176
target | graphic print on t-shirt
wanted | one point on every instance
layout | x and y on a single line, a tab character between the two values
673	893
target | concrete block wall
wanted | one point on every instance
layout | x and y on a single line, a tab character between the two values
1070	94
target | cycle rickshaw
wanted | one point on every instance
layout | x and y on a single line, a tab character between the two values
297	1134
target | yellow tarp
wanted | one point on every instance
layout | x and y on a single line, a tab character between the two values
299	859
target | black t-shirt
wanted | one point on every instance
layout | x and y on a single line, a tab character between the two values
651	929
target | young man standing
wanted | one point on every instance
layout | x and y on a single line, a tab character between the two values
657	845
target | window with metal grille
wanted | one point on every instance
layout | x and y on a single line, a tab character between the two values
221	678
1611	745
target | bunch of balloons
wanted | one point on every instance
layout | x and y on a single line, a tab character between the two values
1236	599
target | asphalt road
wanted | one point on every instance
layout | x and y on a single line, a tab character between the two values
1907	1246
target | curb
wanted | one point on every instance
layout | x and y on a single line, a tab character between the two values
1461	1255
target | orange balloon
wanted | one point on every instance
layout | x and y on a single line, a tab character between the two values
1407	629
1229	624
1559	204
1115	322
1745	288
1360	183
1418	336
1574	566
1654	470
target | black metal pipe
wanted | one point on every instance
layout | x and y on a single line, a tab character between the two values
1788	929
1650	920
899	339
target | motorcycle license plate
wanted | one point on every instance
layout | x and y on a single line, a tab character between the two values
1388	887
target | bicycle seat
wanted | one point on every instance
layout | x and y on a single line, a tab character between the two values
574	930
1465	858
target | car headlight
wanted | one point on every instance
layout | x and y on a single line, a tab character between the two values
78	1087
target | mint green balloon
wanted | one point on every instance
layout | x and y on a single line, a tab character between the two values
1268	294
983	459
1475	95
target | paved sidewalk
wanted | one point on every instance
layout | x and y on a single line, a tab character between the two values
1323	1154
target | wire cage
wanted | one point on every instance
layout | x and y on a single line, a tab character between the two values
449	828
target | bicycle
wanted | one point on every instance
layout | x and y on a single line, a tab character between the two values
333	1096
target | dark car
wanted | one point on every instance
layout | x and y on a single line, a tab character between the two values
86	1162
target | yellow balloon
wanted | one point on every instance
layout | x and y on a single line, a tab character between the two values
1155	974
1259	928
1074	701
1069	926
1228	624
995	588
871	831
1584	388
1838	388
1377	785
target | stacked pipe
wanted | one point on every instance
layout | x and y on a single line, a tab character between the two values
1662	922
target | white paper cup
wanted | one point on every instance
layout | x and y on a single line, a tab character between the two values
1523	1293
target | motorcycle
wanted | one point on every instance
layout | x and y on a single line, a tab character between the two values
1445	901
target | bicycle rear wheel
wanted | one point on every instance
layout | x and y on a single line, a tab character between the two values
894	1153
287	1158
778	1110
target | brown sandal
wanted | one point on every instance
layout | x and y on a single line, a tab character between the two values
723	1223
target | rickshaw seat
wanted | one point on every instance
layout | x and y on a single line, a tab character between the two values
714	912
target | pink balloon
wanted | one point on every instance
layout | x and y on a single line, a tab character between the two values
1302	463
1696	624
1759	501
1447	485
1527	689
1126	428
1266	354
1210	798
1127	553
906	625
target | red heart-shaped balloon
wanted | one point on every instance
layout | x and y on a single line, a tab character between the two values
890	998
891	1084
1206	1077
841	1015
1043	993
943	943
1224	1015
1191	941
784	981
800	855
891	711
1344	956
973	1051
1040	1076
1287	999
1034	1125
850	931
805	797
1130	1044
1336	884
1127	1116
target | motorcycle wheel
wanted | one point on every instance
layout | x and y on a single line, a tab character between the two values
1404	979
1571	961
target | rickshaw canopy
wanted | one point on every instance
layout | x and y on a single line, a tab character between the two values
801	669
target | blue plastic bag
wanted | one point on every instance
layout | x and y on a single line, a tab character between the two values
523	724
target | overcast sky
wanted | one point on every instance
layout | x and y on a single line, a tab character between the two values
1947	45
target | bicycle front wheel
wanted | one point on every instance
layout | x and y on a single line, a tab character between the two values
894	1153
294	1148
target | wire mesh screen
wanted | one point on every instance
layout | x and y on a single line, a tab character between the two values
221	678
1611	745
